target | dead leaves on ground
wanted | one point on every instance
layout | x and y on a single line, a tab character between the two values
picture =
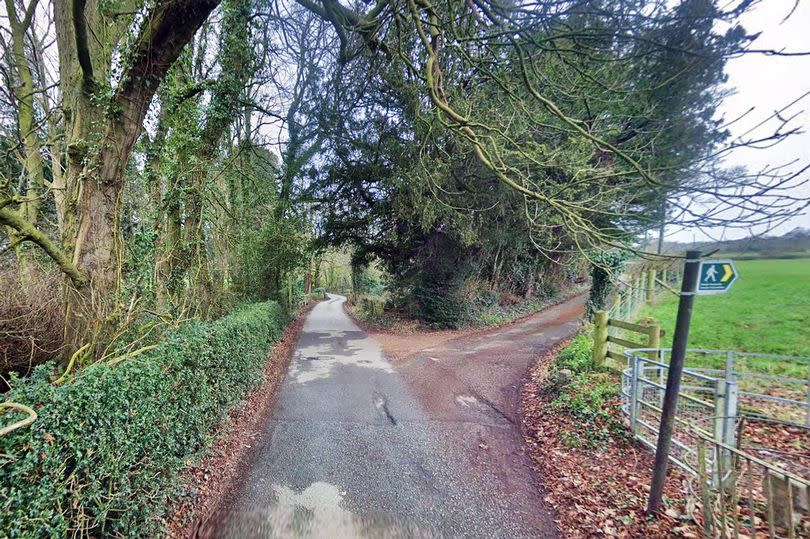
599	492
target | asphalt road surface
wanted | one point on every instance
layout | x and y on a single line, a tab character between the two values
359	447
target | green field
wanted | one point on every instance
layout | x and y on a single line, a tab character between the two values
767	310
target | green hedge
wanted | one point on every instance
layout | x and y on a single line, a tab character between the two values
105	451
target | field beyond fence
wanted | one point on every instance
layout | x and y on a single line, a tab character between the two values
766	311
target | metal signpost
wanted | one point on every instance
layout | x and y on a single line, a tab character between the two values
699	278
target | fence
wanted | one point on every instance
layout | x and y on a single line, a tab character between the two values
755	498
611	337
641	283
749	479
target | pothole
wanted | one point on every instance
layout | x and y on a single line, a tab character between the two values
466	400
483	406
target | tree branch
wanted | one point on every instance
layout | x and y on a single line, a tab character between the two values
165	32
29	14
28	232
82	49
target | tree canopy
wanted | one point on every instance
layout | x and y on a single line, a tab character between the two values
172	158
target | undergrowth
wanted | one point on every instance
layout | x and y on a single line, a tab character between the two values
31	321
486	308
586	393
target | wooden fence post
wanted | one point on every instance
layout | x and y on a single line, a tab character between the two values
654	340
650	285
600	335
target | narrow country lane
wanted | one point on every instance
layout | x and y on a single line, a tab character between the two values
360	447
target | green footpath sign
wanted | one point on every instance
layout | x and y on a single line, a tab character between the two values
716	276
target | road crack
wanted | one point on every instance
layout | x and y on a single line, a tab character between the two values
382	404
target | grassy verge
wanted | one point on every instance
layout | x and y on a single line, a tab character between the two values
578	389
105	451
486	310
490	310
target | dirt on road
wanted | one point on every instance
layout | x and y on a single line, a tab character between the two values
474	379
493	363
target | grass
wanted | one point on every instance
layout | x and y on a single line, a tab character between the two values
766	311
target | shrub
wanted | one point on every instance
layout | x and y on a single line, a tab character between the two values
608	265
31	321
440	305
591	400
587	394
577	356
102	456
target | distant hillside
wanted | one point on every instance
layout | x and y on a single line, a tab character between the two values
793	244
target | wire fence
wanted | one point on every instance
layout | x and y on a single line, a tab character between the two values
641	284
753	498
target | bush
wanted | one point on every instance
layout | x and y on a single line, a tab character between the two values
31	321
577	356
490	307
440	305
101	458
592	401
608	265
587	394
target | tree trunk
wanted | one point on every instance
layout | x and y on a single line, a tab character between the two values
92	230
317	278
235	53
34	171
662	226
308	278
168	269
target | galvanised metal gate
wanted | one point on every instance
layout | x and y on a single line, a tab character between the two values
750	489
733	385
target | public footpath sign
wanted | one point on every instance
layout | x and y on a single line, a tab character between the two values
716	276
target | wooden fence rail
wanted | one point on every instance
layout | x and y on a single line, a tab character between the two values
602	339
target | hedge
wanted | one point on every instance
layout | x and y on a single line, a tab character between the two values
104	453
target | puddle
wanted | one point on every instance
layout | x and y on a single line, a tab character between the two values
318	511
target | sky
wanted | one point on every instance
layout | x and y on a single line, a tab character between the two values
768	83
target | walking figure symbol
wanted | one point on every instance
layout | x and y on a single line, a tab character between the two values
715	276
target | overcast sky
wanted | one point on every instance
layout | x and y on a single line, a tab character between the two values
768	83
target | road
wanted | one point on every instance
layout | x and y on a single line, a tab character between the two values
359	447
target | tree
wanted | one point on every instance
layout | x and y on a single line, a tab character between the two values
569	69
33	183
580	120
102	124
570	122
